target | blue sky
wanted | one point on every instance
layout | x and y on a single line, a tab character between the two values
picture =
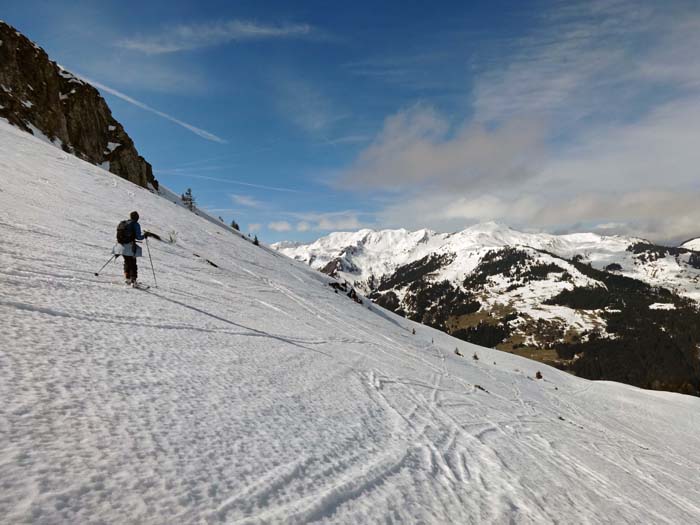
300	118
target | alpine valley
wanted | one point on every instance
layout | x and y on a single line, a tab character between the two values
602	307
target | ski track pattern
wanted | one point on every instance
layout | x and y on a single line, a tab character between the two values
252	393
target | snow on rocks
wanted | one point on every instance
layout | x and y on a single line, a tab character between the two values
251	393
662	306
40	135
69	76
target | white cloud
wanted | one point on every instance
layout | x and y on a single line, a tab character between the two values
328	221
254	227
663	216
579	63
187	37
280	226
658	150
197	131
592	62
676	59
417	146
337	223
613	147
247	201
634	178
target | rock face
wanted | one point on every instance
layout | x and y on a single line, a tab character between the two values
40	97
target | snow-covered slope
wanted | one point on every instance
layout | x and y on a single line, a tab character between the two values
547	297
692	244
250	392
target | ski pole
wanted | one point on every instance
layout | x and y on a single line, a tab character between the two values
97	273
149	258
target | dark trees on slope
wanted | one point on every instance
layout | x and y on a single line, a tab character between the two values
188	199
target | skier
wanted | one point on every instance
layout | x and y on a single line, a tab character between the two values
128	232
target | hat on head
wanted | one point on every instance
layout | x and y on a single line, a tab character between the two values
134	216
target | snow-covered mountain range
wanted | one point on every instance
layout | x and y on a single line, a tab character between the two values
570	300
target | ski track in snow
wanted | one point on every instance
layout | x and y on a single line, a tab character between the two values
252	393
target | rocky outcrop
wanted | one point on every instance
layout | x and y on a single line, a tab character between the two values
42	98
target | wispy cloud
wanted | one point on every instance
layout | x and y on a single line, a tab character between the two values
586	61
638	178
588	125
185	37
417	71
197	131
327	221
155	74
213	211
280	226
305	104
348	139
247	201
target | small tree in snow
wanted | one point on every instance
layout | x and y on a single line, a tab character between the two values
255	241
188	199
235	226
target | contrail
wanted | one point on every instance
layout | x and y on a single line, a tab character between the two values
197	131
229	181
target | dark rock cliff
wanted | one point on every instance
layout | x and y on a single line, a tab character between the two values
40	97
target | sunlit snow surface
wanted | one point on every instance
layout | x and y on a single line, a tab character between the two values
252	393
693	244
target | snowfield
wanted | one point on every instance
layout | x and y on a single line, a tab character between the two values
251	392
693	244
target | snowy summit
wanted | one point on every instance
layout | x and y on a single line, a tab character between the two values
244	389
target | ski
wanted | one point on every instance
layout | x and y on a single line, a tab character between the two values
137	286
